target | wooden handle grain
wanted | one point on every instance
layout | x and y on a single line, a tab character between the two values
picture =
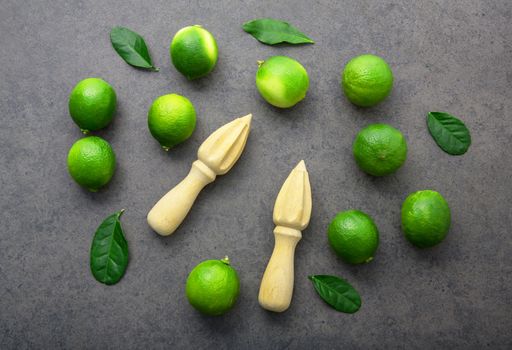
169	212
276	287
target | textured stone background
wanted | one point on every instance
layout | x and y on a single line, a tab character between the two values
451	56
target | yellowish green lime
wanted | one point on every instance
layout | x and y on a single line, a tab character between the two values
367	80
92	104
213	287
426	218
379	149
171	120
354	236
282	81
91	162
194	51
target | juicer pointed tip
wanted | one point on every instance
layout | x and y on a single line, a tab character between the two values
247	119
301	166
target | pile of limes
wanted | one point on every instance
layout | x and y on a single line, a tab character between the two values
378	149
91	160
354	236
171	118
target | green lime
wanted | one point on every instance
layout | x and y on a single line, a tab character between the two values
194	51
379	149
425	218
354	236
91	162
367	80
282	81
213	286
92	104
171	120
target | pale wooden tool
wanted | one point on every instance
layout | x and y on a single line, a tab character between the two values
291	215
216	156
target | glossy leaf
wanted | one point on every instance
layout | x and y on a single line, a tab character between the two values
271	31
131	47
449	132
109	251
337	292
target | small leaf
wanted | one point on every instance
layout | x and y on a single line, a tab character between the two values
337	292
131	47
449	132
109	251
272	31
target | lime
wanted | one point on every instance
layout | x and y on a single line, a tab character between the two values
379	149
213	286
171	120
194	51
282	81
92	104
425	218
91	162
367	80
353	236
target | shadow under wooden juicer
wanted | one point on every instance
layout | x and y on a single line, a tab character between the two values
292	212
216	156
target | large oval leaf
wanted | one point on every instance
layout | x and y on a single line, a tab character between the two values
272	31
449	132
109	251
337	292
131	47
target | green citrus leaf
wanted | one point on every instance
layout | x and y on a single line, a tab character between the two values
131	47
272	31
109	251
337	292
449	132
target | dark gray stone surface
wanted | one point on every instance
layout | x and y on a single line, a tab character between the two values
452	56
